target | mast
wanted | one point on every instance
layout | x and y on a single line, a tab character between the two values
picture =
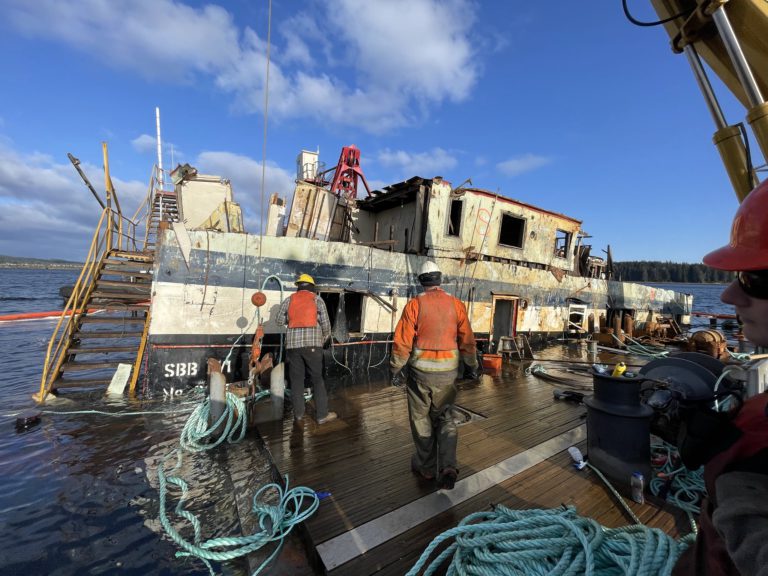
159	151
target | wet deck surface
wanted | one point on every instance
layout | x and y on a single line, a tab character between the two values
379	517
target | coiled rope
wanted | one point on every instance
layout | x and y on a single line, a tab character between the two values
540	372
674	482
638	349
275	521
739	356
505	542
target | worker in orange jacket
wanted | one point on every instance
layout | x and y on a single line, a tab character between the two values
309	328
432	336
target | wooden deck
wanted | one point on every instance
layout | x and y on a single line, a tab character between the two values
379	517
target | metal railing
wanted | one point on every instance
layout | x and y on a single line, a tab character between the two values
113	232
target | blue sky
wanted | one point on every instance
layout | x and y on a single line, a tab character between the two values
565	106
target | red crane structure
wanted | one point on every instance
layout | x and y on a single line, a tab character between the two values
347	172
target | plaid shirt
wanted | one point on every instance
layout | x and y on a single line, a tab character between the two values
312	337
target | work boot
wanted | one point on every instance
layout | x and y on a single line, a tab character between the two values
421	474
447	478
330	417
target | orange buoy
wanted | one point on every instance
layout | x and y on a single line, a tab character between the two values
259	299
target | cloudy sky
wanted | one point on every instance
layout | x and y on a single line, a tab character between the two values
569	108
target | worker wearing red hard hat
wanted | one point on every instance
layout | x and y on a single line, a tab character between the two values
733	446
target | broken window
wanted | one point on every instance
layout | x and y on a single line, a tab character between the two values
562	243
511	230
345	311
454	218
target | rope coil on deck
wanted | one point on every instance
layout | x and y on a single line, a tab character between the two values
275	521
680	486
639	349
554	542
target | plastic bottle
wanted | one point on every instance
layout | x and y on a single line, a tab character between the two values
637	483
619	369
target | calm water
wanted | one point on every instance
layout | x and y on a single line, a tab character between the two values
78	493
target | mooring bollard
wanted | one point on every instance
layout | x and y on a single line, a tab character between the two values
277	390
217	391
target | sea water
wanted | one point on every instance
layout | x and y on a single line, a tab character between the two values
78	492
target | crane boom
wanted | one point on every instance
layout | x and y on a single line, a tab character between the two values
731	36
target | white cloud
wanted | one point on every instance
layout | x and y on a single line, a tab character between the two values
382	69
160	39
436	162
520	164
46	210
144	144
245	175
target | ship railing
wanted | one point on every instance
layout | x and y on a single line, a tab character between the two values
113	232
58	346
143	214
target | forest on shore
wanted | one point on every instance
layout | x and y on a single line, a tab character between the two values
630	271
653	271
37	263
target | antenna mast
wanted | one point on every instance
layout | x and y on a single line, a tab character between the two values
160	177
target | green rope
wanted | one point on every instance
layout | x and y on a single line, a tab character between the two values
639	349
739	356
557	542
673	482
534	369
275	521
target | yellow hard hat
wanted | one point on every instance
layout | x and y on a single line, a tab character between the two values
305	278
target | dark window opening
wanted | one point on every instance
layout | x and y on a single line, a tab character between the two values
345	311
454	220
562	243
511	231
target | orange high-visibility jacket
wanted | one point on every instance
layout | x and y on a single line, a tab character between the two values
431	334
302	310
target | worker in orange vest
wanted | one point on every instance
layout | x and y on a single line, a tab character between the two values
432	336
309	327
733	445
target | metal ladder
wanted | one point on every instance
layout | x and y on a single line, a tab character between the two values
508	346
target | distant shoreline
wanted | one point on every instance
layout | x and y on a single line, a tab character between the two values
40	266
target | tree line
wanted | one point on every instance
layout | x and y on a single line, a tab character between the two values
23	262
652	271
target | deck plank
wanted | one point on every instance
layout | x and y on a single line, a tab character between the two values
363	461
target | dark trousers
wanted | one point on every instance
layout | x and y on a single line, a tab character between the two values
301	362
430	411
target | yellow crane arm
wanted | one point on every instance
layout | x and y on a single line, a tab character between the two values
731	36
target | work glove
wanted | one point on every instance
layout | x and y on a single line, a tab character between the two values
397	379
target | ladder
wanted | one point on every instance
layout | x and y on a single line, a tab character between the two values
165	208
508	345
105	323
109	329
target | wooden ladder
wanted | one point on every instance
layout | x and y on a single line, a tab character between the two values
111	329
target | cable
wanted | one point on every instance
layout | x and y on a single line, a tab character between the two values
636	22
